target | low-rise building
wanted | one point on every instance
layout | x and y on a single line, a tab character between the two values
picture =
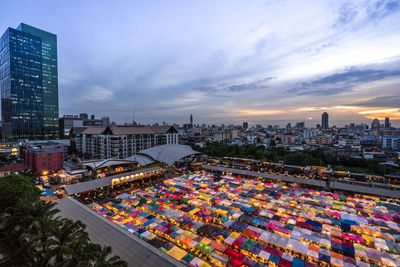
9	149
324	140
13	168
288	139
44	157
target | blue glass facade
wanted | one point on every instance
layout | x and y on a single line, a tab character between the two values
29	84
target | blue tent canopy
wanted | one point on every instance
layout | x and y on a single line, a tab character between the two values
47	192
297	262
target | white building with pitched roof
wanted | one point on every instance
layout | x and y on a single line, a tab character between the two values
123	141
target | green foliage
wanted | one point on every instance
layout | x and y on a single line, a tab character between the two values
272	143
301	158
39	236
16	190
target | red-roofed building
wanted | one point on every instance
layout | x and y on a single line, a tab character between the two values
12	168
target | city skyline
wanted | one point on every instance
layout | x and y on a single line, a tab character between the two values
245	62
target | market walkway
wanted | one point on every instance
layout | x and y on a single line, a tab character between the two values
318	183
104	182
124	244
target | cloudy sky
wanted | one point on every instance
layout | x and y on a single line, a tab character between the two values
227	61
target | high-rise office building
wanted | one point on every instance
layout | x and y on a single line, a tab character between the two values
375	124
387	123
300	125
325	121
29	83
191	120
245	125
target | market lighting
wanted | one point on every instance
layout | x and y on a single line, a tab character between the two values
289	224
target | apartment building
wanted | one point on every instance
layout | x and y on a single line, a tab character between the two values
122	141
389	139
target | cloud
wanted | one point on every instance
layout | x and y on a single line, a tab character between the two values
347	13
258	112
357	14
373	111
393	113
97	93
382	101
383	8
236	87
341	82
317	48
213	58
310	109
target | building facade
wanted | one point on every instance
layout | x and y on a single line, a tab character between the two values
44	157
9	149
387	123
288	139
324	140
13	168
325	121
67	122
122	141
29	84
390	142
389	139
375	124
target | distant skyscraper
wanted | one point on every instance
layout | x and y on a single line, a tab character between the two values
325	121
191	120
245	125
83	116
375	124
29	83
134	123
387	123
300	125
106	121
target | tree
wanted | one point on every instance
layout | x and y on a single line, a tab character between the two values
272	143
79	251
28	227
65	232
103	258
16	190
39	237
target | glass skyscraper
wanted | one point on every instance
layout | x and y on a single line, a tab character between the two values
325	121
29	84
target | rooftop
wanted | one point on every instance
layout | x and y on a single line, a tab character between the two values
102	182
318	183
13	167
169	154
143	160
127	130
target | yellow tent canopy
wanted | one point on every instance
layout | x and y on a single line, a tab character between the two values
177	253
